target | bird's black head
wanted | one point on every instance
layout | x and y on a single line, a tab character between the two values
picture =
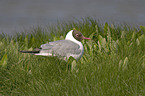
79	36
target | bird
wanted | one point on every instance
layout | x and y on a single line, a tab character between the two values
71	46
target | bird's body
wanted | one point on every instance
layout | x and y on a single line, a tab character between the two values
71	46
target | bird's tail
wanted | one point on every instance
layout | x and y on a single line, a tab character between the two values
31	52
37	50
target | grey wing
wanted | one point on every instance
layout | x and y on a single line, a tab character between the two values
61	47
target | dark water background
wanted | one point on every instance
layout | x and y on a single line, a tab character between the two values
20	15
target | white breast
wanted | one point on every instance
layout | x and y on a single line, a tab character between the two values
69	36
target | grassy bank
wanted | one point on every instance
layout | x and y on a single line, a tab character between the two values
113	63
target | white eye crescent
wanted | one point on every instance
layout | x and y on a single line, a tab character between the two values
77	35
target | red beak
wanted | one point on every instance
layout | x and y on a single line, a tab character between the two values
86	38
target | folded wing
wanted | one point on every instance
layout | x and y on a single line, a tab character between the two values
60	48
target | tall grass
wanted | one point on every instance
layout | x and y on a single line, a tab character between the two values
113	63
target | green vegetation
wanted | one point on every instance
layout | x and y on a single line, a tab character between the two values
113	63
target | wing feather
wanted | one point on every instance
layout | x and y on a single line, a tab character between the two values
61	48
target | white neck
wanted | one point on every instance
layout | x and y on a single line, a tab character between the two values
69	36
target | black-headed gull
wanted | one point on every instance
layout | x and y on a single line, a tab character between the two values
71	46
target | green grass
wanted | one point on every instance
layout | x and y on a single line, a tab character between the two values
113	63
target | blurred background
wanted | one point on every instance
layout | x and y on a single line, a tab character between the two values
19	15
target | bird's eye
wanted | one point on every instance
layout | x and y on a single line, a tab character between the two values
78	35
